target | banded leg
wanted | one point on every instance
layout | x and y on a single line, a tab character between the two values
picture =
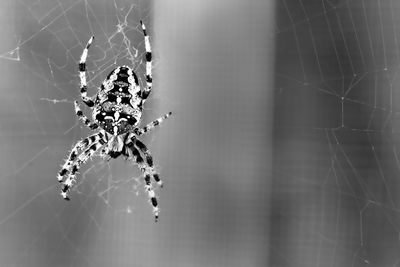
134	153
82	75
151	125
149	76
81	145
149	159
83	118
83	157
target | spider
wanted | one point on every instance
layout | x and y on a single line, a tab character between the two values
117	109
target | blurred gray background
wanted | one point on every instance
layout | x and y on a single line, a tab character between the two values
335	163
213	70
282	149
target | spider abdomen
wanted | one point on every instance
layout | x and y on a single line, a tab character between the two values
119	104
117	119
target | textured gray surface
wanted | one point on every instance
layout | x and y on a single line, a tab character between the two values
336	169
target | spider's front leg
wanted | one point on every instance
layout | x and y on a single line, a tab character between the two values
81	145
147	171
149	160
71	167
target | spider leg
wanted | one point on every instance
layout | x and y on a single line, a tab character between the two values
149	76
83	118
149	159
83	157
134	153
82	75
151	125
81	145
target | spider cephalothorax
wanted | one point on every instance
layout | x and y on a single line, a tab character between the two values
117	110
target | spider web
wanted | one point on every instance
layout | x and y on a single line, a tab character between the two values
337	134
332	197
210	60
49	37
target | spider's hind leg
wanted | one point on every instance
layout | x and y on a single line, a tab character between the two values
85	120
82	75
149	77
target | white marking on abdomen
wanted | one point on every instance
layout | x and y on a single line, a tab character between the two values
116	116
